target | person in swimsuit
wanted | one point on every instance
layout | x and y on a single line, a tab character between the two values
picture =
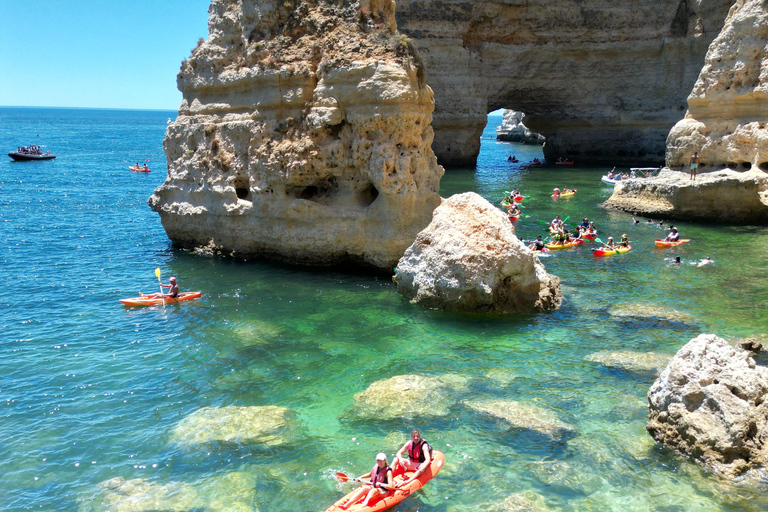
673	235
694	165
419	457
379	484
173	291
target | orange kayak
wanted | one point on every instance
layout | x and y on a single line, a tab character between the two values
149	300
661	243
392	498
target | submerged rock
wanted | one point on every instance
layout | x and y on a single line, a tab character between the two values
303	135
469	259
409	396
265	425
710	404
631	361
524	416
232	492
649	312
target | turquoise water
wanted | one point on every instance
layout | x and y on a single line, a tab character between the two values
91	391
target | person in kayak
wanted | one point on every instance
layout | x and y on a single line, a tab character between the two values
585	223
624	240
609	244
673	235
537	245
173	291
379	484
419	456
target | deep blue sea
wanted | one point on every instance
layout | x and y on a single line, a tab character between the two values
91	391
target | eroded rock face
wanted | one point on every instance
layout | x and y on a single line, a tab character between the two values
469	259
602	81
721	196
304	135
525	416
710	404
728	106
409	396
260	425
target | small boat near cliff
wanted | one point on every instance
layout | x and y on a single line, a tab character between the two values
31	152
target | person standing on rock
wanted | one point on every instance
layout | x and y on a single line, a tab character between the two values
694	165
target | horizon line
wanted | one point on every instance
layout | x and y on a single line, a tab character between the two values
92	108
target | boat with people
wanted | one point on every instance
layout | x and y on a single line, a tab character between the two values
608	251
31	152
570	243
154	300
138	168
611	180
393	496
660	242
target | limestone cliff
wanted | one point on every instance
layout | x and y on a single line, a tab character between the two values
603	81
726	125
304	134
728	107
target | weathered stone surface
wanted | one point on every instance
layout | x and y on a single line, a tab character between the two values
233	492
409	396
304	135
710	404
638	62
469	259
264	425
524	416
640	362
650	312
512	129
728	106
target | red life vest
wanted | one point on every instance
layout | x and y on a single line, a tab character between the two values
416	453
379	475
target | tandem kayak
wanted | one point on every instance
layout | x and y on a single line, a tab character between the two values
661	243
393	497
150	300
138	169
604	251
565	194
566	245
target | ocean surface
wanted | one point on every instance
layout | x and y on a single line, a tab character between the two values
91	391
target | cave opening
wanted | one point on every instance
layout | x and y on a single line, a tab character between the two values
242	188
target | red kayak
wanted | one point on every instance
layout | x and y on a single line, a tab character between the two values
589	236
138	169
393	497
661	243
518	199
151	300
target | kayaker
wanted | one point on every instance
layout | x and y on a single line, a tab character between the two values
585	223
145	167
419	456
173	290
537	245
380	475
556	222
609	243
694	165
673	235
624	240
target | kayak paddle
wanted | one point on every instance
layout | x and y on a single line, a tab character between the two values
344	478
157	273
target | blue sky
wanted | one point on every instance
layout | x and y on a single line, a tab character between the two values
105	54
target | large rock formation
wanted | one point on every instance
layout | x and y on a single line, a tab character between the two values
728	106
710	404
469	259
722	196
304	134
726	124
512	129
603	81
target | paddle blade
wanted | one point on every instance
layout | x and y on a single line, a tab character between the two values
341	477
157	272
598	240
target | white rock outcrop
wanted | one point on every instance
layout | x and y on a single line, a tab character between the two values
304	135
727	117
469	259
512	129
710	403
